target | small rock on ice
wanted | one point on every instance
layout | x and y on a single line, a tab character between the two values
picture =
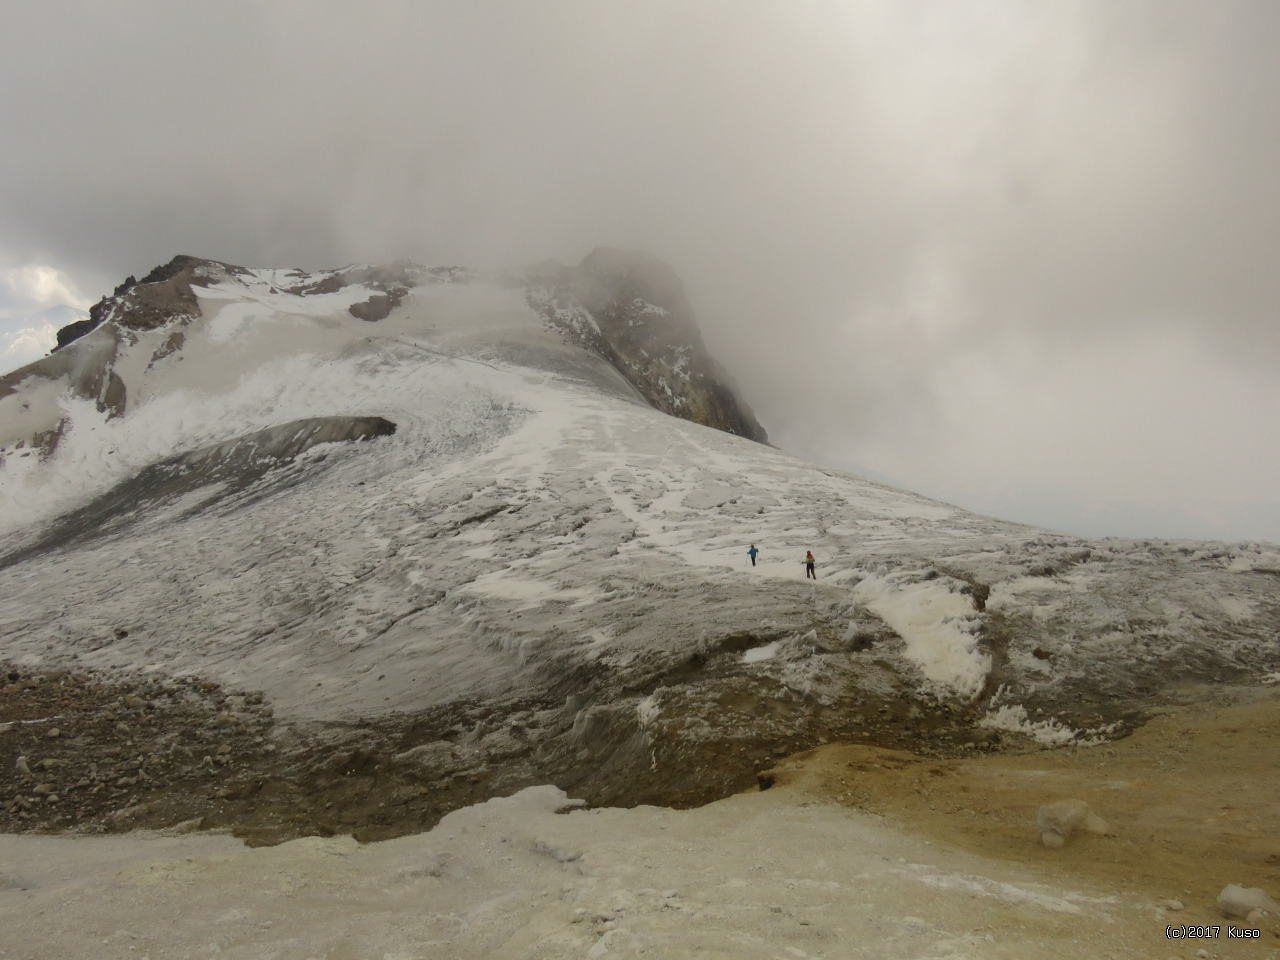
1237	901
1059	822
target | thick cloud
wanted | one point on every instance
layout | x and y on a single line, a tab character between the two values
1020	255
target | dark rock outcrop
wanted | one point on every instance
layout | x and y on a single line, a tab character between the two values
246	458
163	295
631	309
377	307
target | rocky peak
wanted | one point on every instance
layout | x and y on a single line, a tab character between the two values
631	309
627	307
161	296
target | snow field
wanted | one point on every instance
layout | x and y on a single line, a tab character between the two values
252	380
761	875
522	515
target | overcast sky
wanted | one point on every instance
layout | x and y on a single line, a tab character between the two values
1022	256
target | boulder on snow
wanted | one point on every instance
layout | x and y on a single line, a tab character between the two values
1236	901
1059	822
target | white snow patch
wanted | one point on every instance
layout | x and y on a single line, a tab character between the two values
246	310
937	624
1012	893
1013	717
757	654
647	711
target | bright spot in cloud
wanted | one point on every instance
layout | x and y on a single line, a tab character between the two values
39	287
35	301
26	344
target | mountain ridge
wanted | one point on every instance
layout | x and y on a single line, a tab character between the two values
629	308
537	576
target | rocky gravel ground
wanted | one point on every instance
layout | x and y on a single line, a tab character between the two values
882	852
95	753
91	754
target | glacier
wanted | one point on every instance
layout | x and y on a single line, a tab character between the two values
539	576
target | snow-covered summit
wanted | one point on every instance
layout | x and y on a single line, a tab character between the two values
439	511
626	309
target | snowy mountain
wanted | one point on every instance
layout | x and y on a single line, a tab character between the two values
442	535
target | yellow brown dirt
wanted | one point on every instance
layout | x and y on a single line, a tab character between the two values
1192	799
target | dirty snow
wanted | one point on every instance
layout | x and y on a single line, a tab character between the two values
762	875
